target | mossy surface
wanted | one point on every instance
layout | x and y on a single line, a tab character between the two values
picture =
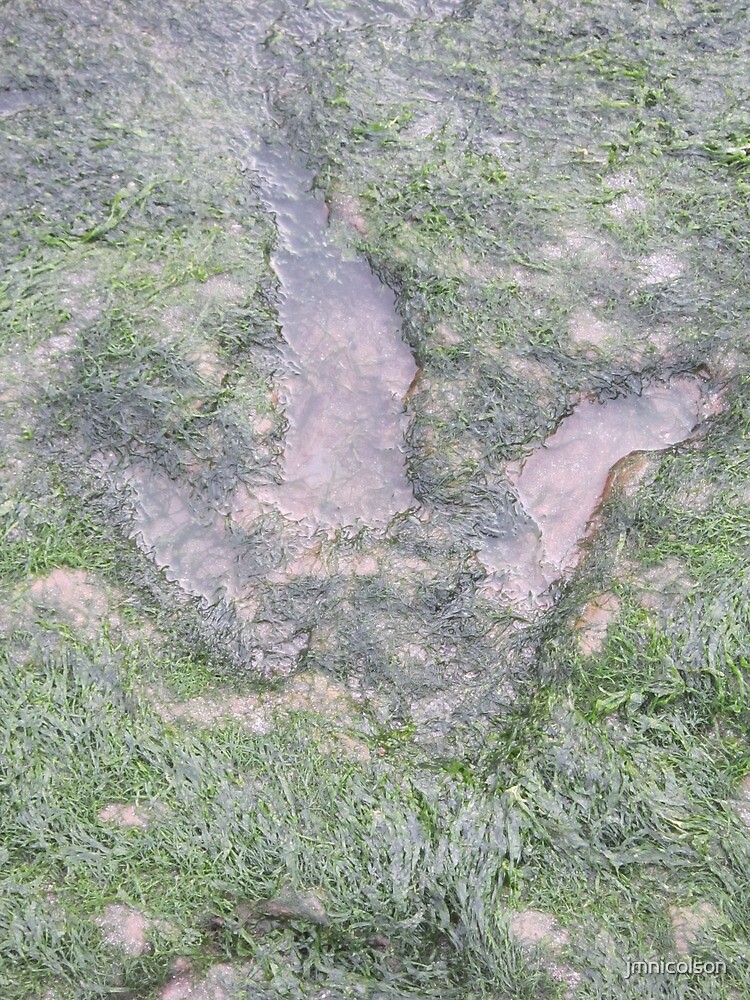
558	195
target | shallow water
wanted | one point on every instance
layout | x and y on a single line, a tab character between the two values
561	484
343	457
197	552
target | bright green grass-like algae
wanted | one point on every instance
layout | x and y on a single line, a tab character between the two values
558	195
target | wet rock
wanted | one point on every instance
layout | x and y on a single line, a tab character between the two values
55	349
124	815
314	692
347	209
263	424
531	928
660	268
125	928
307	907
629	200
410	574
222	288
130	815
13	102
513	562
306	692
586	243
594	623
660	587
347	746
586	328
432	709
81	299
180	987
566	975
220	982
205	360
305	559
180	966
585	246
75	595
446	336
279	648
174	322
205	710
689	922
360	564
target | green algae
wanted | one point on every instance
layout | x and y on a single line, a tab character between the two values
524	177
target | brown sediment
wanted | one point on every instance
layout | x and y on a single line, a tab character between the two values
414	385
627	474
194	548
342	399
625	478
562	483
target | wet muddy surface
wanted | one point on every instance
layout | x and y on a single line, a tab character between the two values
561	485
346	373
344	450
193	548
